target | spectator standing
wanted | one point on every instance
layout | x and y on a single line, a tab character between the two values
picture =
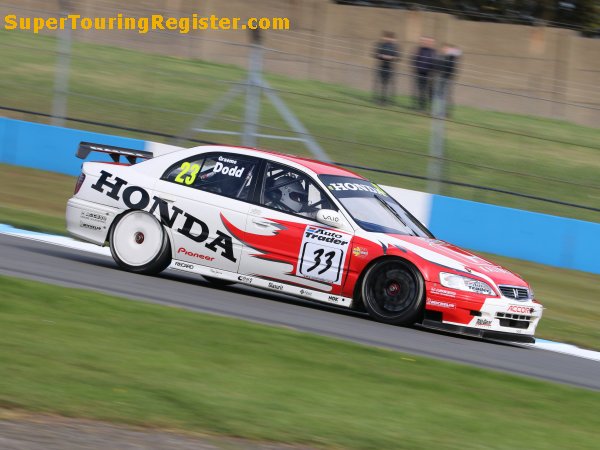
386	53
423	62
447	64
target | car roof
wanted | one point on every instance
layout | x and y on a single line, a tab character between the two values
318	167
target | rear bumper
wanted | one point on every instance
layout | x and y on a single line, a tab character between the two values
478	332
89	221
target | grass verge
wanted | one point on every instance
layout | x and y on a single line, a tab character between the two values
84	354
165	94
34	199
571	297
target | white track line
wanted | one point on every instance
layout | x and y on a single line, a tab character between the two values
64	241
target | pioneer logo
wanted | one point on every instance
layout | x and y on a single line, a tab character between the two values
184	265
277	287
245	279
190	254
136	197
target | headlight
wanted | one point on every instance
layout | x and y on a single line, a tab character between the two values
454	281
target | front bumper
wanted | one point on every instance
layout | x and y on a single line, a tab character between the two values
485	316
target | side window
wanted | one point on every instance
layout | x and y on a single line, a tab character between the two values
291	191
224	174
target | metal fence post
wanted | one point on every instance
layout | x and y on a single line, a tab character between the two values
435	167
61	74
253	92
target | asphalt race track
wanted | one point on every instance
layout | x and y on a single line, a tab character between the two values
68	267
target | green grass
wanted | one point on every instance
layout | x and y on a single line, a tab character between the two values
165	94
34	199
572	298
84	354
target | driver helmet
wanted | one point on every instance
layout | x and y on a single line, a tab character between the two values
292	193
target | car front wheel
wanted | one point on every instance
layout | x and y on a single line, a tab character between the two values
393	292
138	243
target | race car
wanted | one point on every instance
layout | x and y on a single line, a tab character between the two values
295	226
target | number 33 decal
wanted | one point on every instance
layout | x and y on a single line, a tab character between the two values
317	257
322	254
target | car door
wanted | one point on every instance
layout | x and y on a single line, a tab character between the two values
283	240
200	195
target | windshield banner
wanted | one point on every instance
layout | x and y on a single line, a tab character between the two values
343	187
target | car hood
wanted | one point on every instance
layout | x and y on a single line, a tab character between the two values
444	254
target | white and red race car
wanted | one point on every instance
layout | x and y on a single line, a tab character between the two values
296	226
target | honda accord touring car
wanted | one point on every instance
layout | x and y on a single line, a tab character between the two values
295	226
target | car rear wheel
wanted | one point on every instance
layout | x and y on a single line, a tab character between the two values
393	292
138	243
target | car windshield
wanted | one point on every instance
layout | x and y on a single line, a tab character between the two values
372	208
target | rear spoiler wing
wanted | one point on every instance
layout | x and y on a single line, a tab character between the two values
85	148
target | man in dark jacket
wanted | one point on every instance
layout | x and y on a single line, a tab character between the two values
447	65
386	53
423	63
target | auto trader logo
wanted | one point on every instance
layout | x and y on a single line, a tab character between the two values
321	234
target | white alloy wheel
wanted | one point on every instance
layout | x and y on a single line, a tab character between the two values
138	243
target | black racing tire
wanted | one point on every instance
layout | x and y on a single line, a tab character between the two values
218	281
393	291
139	243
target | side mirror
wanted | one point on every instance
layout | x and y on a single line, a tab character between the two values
332	218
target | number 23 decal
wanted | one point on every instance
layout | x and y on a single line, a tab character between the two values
186	167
